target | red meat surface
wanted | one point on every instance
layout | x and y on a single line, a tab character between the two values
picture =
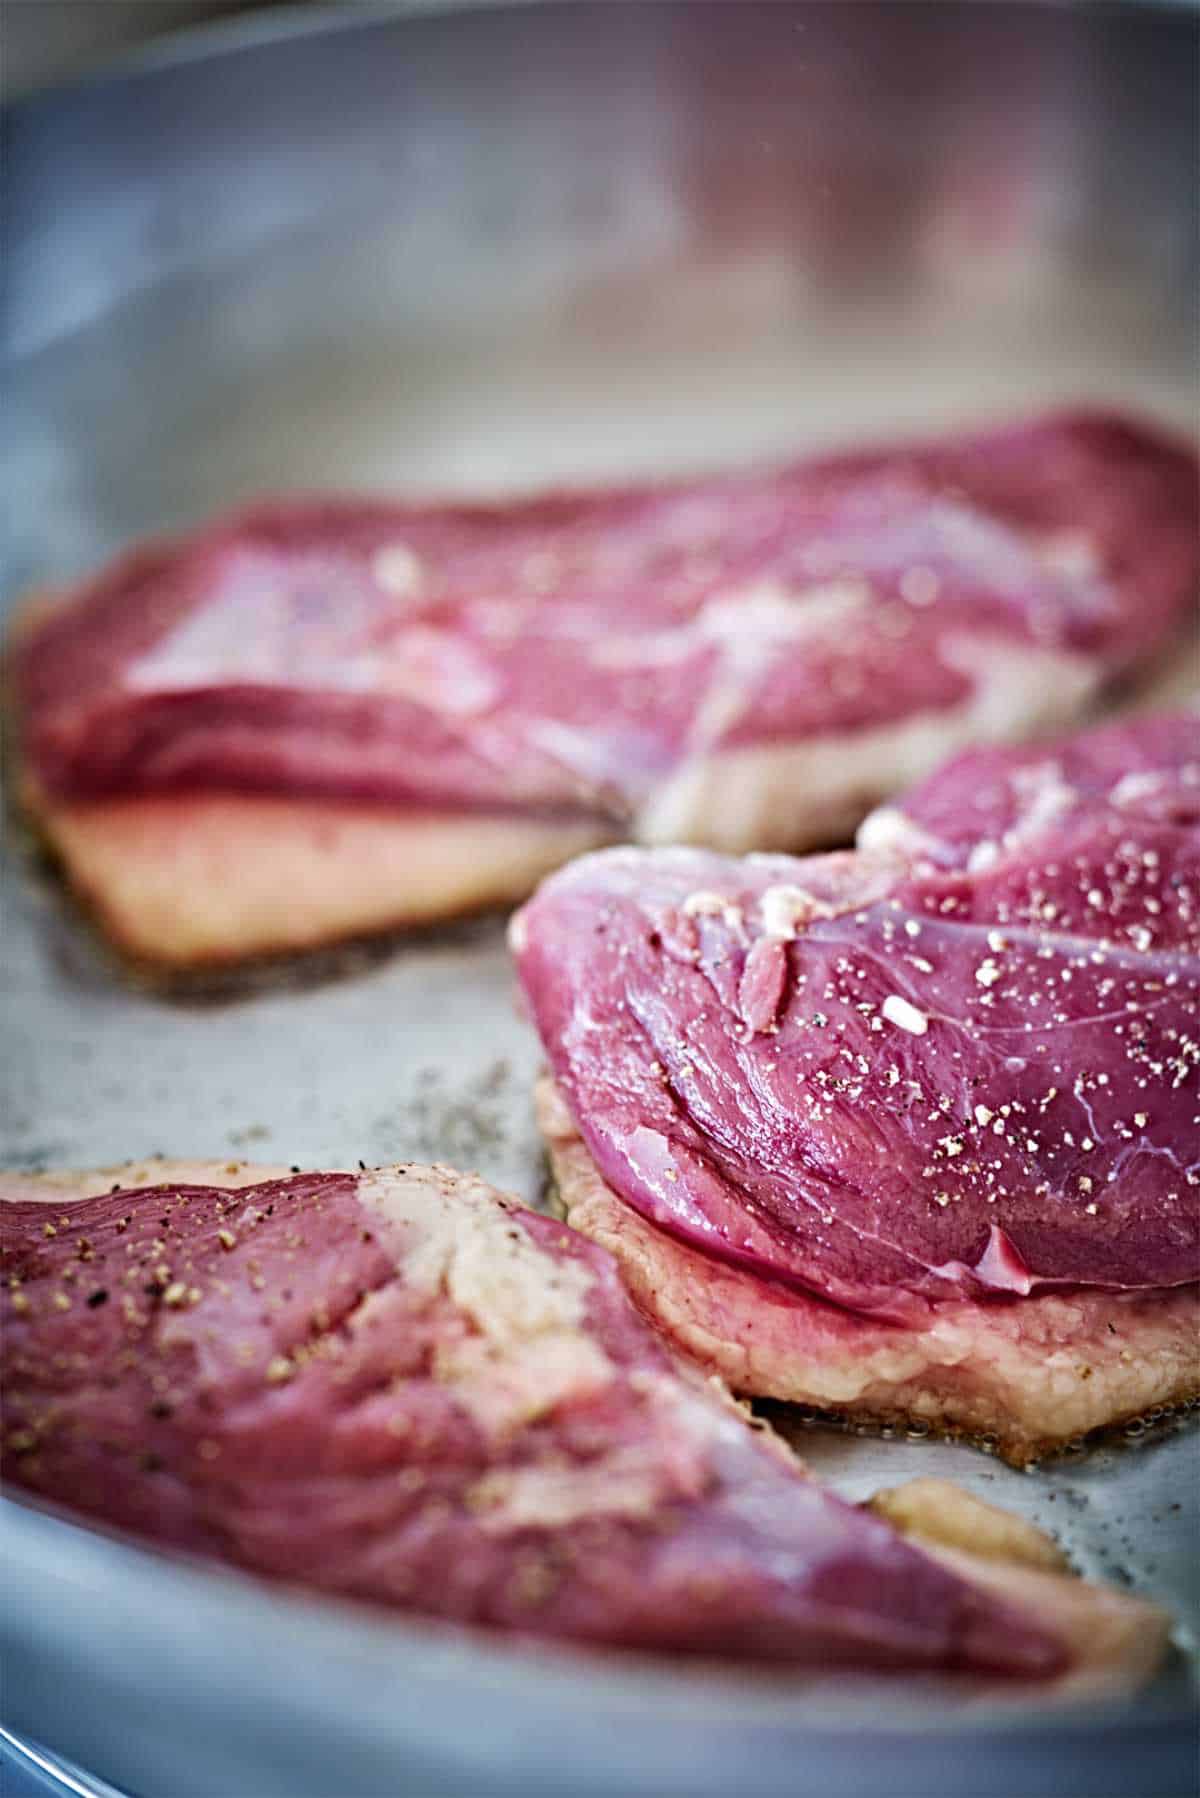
964	1063
572	654
399	1387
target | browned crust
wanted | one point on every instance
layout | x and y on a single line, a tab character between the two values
1027	1381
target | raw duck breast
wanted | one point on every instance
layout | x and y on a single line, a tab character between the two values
326	716
400	1387
911	1131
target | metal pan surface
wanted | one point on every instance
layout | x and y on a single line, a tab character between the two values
444	249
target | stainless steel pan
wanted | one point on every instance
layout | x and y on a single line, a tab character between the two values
490	248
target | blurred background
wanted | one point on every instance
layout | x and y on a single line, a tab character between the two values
51	40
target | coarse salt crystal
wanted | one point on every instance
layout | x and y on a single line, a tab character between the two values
904	1016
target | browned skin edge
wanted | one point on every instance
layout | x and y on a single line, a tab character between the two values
577	1180
1116	1641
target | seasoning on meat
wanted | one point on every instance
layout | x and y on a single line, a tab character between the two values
980	1087
404	1388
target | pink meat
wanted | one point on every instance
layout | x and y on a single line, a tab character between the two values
400	1388
961	1063
568	653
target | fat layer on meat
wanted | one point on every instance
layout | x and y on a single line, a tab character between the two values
1026	1376
911	1129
